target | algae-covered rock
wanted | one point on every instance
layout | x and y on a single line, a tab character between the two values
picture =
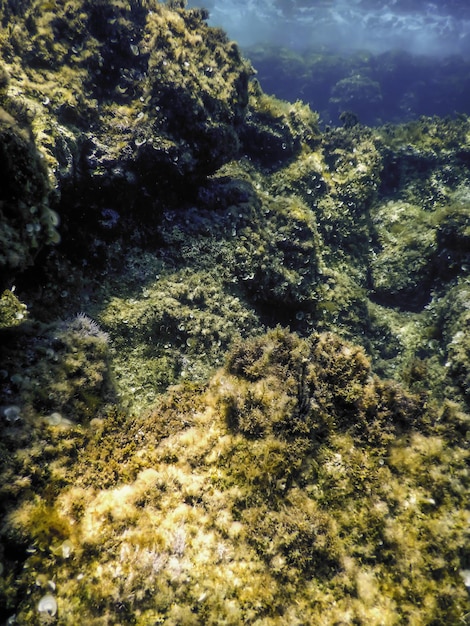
356	93
60	368
134	60
263	497
327	386
418	247
274	131
454	312
176	327
421	219
127	102
321	474
12	311
27	221
402	271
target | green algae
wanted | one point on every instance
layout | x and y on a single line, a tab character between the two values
27	219
177	327
61	367
323	510
12	311
166	458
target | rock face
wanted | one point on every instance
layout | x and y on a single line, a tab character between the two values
236	389
124	102
27	221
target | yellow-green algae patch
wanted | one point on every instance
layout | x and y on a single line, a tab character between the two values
178	326
12	311
296	487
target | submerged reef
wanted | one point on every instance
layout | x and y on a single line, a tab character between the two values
234	380
392	86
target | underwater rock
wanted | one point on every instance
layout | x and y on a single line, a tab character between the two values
62	368
395	86
168	82
454	314
356	93
147	480
128	103
27	221
274	131
12	311
294	472
327	386
420	220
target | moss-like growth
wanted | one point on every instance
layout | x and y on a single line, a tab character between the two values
188	513
402	270
177	327
418	248
12	311
454	313
275	131
136	55
27	221
62	368
122	97
326	384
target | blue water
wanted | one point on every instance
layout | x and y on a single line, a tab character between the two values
383	61
417	26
